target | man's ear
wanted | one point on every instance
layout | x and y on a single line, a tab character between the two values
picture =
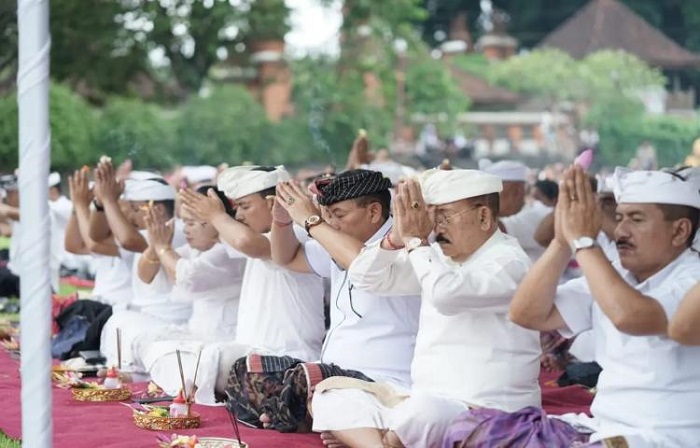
375	209
681	232
485	217
270	202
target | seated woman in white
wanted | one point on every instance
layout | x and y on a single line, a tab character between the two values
203	273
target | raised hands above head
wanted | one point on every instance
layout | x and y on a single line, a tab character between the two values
202	207
295	201
79	187
107	186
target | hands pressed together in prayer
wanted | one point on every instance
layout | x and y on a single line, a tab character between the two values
411	217
204	208
79	188
292	202
160	230
577	213
107	186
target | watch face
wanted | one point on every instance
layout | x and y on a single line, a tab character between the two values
313	219
414	243
584	242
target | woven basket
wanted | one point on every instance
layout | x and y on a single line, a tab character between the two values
143	420
91	394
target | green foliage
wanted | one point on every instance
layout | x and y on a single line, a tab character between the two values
201	33
671	136
547	73
331	106
8	442
431	89
226	126
267	20
132	129
474	63
72	129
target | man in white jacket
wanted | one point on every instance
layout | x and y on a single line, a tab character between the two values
467	352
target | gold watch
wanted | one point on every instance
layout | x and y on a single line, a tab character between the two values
312	221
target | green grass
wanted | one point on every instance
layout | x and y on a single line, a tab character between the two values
7	442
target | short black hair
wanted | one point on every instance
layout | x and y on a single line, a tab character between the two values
169	206
228	206
268	191
491	200
548	188
673	212
382	196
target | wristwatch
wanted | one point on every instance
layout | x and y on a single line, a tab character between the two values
312	221
414	243
582	242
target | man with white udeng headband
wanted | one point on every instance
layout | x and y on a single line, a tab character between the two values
152	305
280	312
649	389
467	352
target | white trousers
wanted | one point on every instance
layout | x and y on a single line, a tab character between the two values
420	421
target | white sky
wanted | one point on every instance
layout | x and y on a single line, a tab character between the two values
314	28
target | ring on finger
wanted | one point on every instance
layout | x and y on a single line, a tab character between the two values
415	205
290	200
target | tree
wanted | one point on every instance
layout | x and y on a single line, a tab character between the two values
132	129
226	126
90	50
72	130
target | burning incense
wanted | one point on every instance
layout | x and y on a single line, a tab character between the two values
182	374
119	349
194	381
234	423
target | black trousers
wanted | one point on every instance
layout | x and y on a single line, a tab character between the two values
95	313
9	283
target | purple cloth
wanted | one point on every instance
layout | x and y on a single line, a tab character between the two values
526	428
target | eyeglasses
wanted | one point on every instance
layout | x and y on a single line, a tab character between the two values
444	221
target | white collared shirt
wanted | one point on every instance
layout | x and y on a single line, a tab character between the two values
370	333
280	311
466	347
648	383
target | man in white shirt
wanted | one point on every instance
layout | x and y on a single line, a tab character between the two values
152	304
280	312
649	389
467	352
517	218
59	213
355	207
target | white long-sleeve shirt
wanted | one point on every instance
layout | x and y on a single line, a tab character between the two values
466	347
211	280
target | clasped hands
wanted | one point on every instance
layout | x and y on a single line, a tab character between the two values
577	213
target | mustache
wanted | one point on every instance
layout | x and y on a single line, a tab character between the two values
623	242
441	239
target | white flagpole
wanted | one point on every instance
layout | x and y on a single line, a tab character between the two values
35	283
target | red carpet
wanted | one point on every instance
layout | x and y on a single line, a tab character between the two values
83	425
78	425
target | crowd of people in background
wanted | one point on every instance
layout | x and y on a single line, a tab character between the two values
383	305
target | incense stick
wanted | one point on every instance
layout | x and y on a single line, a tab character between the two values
196	370
182	373
234	423
119	349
